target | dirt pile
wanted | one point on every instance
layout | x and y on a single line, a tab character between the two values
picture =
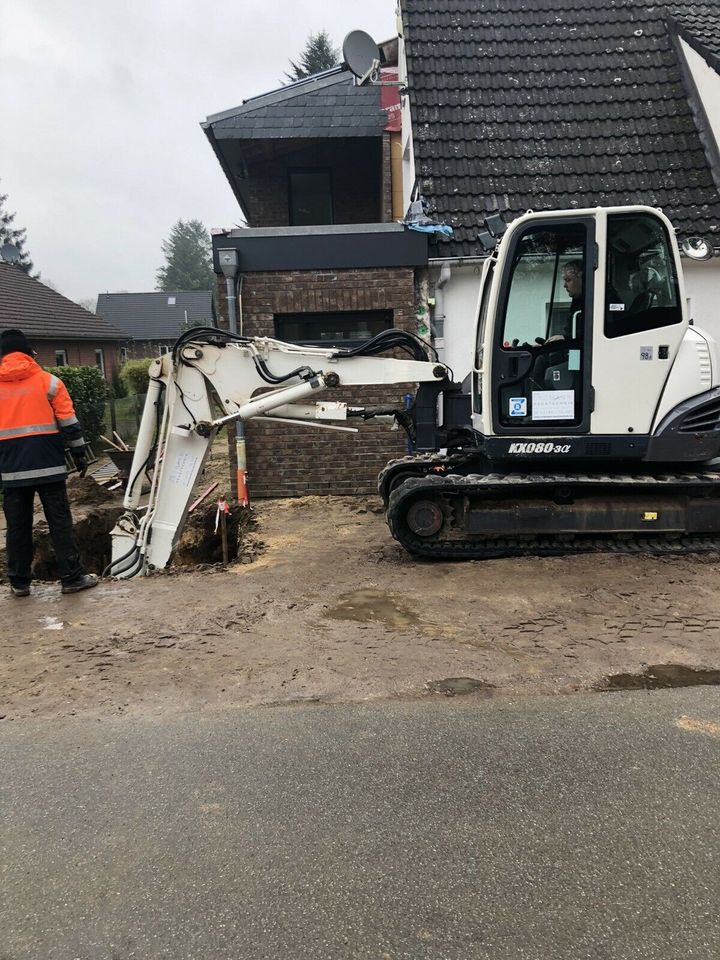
86	492
95	510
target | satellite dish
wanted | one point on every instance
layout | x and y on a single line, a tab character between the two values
361	54
10	253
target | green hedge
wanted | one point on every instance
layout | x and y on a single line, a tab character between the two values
134	375
89	393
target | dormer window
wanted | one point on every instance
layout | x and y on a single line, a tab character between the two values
310	192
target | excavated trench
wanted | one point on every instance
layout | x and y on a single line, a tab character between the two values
95	512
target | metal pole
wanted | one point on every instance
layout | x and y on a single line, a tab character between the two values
232	300
240	448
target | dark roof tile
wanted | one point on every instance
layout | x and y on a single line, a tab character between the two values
522	104
150	316
44	314
326	106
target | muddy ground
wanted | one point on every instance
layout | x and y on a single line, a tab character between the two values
329	608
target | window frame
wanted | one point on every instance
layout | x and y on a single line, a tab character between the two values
501	353
100	355
670	260
280	319
58	353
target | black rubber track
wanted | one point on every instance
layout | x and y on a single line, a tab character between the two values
421	464
526	485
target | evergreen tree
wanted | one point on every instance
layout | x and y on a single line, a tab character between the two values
11	234
318	55
188	255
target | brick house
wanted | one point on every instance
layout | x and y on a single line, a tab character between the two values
315	167
61	332
152	322
506	106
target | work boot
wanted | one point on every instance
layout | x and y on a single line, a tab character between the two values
84	583
20	591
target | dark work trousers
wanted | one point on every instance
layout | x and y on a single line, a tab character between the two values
18	508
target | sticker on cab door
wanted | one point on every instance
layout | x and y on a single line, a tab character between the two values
517	406
646	353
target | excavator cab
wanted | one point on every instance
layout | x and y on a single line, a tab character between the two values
580	320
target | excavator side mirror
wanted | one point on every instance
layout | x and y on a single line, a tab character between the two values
487	240
495	224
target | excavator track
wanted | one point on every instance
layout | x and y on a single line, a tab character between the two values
484	516
420	465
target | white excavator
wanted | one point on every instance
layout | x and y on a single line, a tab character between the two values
590	420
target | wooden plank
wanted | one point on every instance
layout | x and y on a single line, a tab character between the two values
205	493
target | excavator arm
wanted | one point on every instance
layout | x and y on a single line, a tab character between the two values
247	377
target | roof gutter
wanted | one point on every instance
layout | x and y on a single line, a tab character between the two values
456	261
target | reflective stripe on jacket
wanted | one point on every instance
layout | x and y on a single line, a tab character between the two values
36	416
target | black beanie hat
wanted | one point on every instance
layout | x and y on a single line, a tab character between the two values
14	341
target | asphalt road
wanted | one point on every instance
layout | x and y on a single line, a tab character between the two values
572	827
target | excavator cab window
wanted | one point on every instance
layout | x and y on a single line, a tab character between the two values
642	288
540	357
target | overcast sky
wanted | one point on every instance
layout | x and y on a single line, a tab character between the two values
99	119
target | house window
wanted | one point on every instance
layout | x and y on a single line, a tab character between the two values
61	358
310	193
124	354
332	329
100	361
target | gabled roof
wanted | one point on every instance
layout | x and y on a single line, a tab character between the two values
547	104
699	25
326	105
157	316
44	314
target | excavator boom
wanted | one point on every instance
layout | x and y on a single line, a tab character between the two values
247	378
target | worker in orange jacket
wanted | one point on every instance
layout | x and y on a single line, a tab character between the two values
37	420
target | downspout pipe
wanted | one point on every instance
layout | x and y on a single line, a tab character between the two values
438	316
230	266
232	303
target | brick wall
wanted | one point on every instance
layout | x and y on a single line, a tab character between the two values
79	353
285	460
141	349
386	180
356	178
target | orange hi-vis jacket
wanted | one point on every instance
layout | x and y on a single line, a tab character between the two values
37	420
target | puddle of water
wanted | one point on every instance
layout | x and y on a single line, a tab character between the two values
51	623
365	605
661	676
456	686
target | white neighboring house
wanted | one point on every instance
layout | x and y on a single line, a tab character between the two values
562	104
